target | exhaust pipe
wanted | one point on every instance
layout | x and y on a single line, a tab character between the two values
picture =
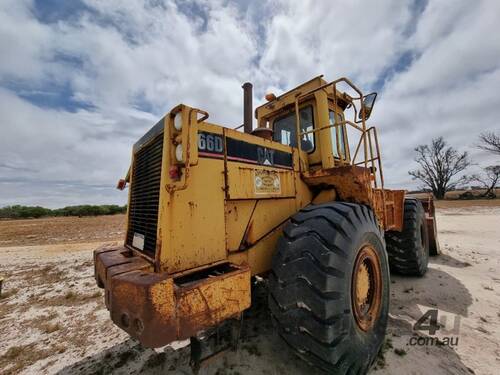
247	107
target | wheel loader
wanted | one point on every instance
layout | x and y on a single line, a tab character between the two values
297	200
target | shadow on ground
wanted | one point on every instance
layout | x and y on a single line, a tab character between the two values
436	289
445	259
411	297
261	351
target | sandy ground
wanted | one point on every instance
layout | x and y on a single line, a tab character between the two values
53	320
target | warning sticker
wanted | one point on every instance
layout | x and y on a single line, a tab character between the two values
267	182
138	241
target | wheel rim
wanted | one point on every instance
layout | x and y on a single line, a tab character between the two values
422	236
366	290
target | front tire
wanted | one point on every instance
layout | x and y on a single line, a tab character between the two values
329	287
409	250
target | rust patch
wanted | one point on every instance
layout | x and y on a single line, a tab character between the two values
353	184
157	308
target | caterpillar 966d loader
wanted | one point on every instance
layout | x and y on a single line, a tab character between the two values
211	207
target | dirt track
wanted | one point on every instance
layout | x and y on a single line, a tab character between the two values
52	318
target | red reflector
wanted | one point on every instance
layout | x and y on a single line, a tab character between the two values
121	184
174	172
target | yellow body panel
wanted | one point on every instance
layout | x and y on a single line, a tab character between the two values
259	182
191	220
238	213
221	205
325	140
259	256
268	215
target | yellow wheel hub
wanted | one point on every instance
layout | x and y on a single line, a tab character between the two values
362	285
366	289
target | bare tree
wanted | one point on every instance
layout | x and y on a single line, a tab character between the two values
439	163
489	179
490	141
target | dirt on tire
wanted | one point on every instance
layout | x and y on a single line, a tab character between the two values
311	287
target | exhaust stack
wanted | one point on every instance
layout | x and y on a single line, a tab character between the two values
247	107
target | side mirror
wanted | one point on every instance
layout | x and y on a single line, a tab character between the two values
368	103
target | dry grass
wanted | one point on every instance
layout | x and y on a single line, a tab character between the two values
50	327
50	315
19	357
400	352
47	275
8	293
15	352
43	323
381	362
70	298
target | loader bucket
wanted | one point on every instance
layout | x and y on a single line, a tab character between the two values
430	217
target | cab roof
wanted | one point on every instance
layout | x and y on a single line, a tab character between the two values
286	99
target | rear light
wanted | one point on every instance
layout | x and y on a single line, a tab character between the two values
174	172
121	184
178	152
178	121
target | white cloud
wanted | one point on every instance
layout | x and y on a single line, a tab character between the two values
20	54
121	58
132	61
449	90
356	39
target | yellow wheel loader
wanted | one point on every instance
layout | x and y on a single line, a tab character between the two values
298	200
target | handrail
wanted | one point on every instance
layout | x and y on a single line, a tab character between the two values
368	138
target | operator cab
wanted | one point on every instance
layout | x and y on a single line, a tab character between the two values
323	127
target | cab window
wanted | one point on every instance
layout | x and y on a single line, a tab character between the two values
285	129
337	132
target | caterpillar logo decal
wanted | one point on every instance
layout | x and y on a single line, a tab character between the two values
211	145
265	156
254	154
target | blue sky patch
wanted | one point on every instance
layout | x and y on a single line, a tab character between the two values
50	11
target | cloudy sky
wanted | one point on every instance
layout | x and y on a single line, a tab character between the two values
81	80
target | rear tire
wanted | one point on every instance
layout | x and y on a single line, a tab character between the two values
314	287
409	250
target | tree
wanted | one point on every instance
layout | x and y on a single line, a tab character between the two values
490	141
439	163
489	179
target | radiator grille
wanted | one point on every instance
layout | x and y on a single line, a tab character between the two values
145	195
